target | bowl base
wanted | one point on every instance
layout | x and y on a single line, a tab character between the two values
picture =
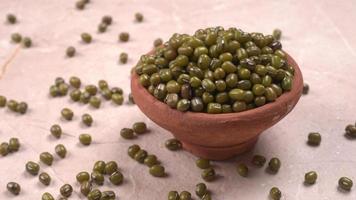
219	153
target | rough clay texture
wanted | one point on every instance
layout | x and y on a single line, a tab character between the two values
320	35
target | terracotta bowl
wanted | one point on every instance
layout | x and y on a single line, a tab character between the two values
218	136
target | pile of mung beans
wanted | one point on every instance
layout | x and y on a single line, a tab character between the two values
217	71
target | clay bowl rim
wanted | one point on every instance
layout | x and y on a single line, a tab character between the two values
295	92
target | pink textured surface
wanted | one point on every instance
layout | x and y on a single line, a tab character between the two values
320	35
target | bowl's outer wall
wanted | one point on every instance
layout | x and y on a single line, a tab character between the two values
218	130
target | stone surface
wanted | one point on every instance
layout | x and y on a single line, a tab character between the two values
320	35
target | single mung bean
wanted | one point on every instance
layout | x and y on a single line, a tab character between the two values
99	166
75	95
11	18
82	177
66	190
116	178
123	57
106	93
56	130
106	19
44	178
277	33
139	127
32	168
47	196
2	101
139	17
275	193
108	195
157	42
127	133
310	177
75	82
200	189
208	174
242	170
314	138
151	160
140	156
124	36
185	195
203	163
61	150
63	89
4	148
16	37
157	171
117	99
102	27
46	158
13	188
91	89
102	84
173	144
27	42
345	183
87	119
274	165
85	139
21	107
117	90
86	37
95	102
67	114
12	105
94	195
85	187
258	160
85	97
131	99
111	167
80	5
70	52
97	178
305	88
132	150
14	144
207	196
173	195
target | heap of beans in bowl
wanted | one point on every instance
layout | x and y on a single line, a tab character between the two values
216	70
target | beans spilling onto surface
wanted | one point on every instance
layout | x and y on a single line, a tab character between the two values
216	71
138	128
13	105
9	147
201	190
141	156
97	176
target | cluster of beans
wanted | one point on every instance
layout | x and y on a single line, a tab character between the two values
100	169
89	94
105	22
9	147
216	71
138	128
351	130
208	172
201	190
150	160
13	105
17	37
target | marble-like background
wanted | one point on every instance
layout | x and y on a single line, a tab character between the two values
320	35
